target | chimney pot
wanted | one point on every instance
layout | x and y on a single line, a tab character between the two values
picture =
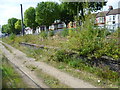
110	8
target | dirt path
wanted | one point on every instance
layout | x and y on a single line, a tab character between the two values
27	80
19	58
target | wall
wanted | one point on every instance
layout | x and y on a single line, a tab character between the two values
113	21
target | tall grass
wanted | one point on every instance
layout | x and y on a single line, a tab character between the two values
73	61
10	79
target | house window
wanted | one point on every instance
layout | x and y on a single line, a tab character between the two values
102	19
113	17
110	18
113	22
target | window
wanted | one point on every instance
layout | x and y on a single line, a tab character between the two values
113	17
110	18
113	22
102	19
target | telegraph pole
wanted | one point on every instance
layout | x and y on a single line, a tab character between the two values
22	20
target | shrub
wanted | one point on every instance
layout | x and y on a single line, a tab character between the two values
51	33
92	42
12	36
61	56
43	35
64	32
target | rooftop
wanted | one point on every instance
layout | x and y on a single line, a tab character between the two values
111	12
114	11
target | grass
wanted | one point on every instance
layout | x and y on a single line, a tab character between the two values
50	80
7	48
86	73
47	79
10	78
31	67
82	71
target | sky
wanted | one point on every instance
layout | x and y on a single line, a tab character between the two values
11	8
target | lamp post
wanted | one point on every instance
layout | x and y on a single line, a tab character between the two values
22	20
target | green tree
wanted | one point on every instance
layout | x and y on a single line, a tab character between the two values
29	18
18	26
11	25
47	12
65	14
81	7
5	29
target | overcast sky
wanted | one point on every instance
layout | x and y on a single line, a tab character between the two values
11	8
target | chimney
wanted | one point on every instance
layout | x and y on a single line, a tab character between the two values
110	8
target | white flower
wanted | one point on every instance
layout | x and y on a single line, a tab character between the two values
98	80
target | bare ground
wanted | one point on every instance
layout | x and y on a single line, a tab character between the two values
21	60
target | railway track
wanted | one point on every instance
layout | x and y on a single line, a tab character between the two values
104	60
26	76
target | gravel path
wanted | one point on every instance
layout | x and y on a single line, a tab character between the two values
19	58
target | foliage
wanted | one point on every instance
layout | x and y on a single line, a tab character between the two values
29	18
10	79
5	29
71	60
105	73
77	7
60	56
65	13
92	42
51	33
43	35
47	13
64	33
50	80
11	25
12	36
18	25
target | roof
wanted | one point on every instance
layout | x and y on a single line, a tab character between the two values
114	11
111	12
102	14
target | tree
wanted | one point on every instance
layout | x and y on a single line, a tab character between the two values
47	13
5	29
29	18
18	26
11	25
65	14
80	7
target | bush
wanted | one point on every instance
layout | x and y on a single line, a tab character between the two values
12	36
44	35
51	33
92	42
61	56
64	32
104	73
